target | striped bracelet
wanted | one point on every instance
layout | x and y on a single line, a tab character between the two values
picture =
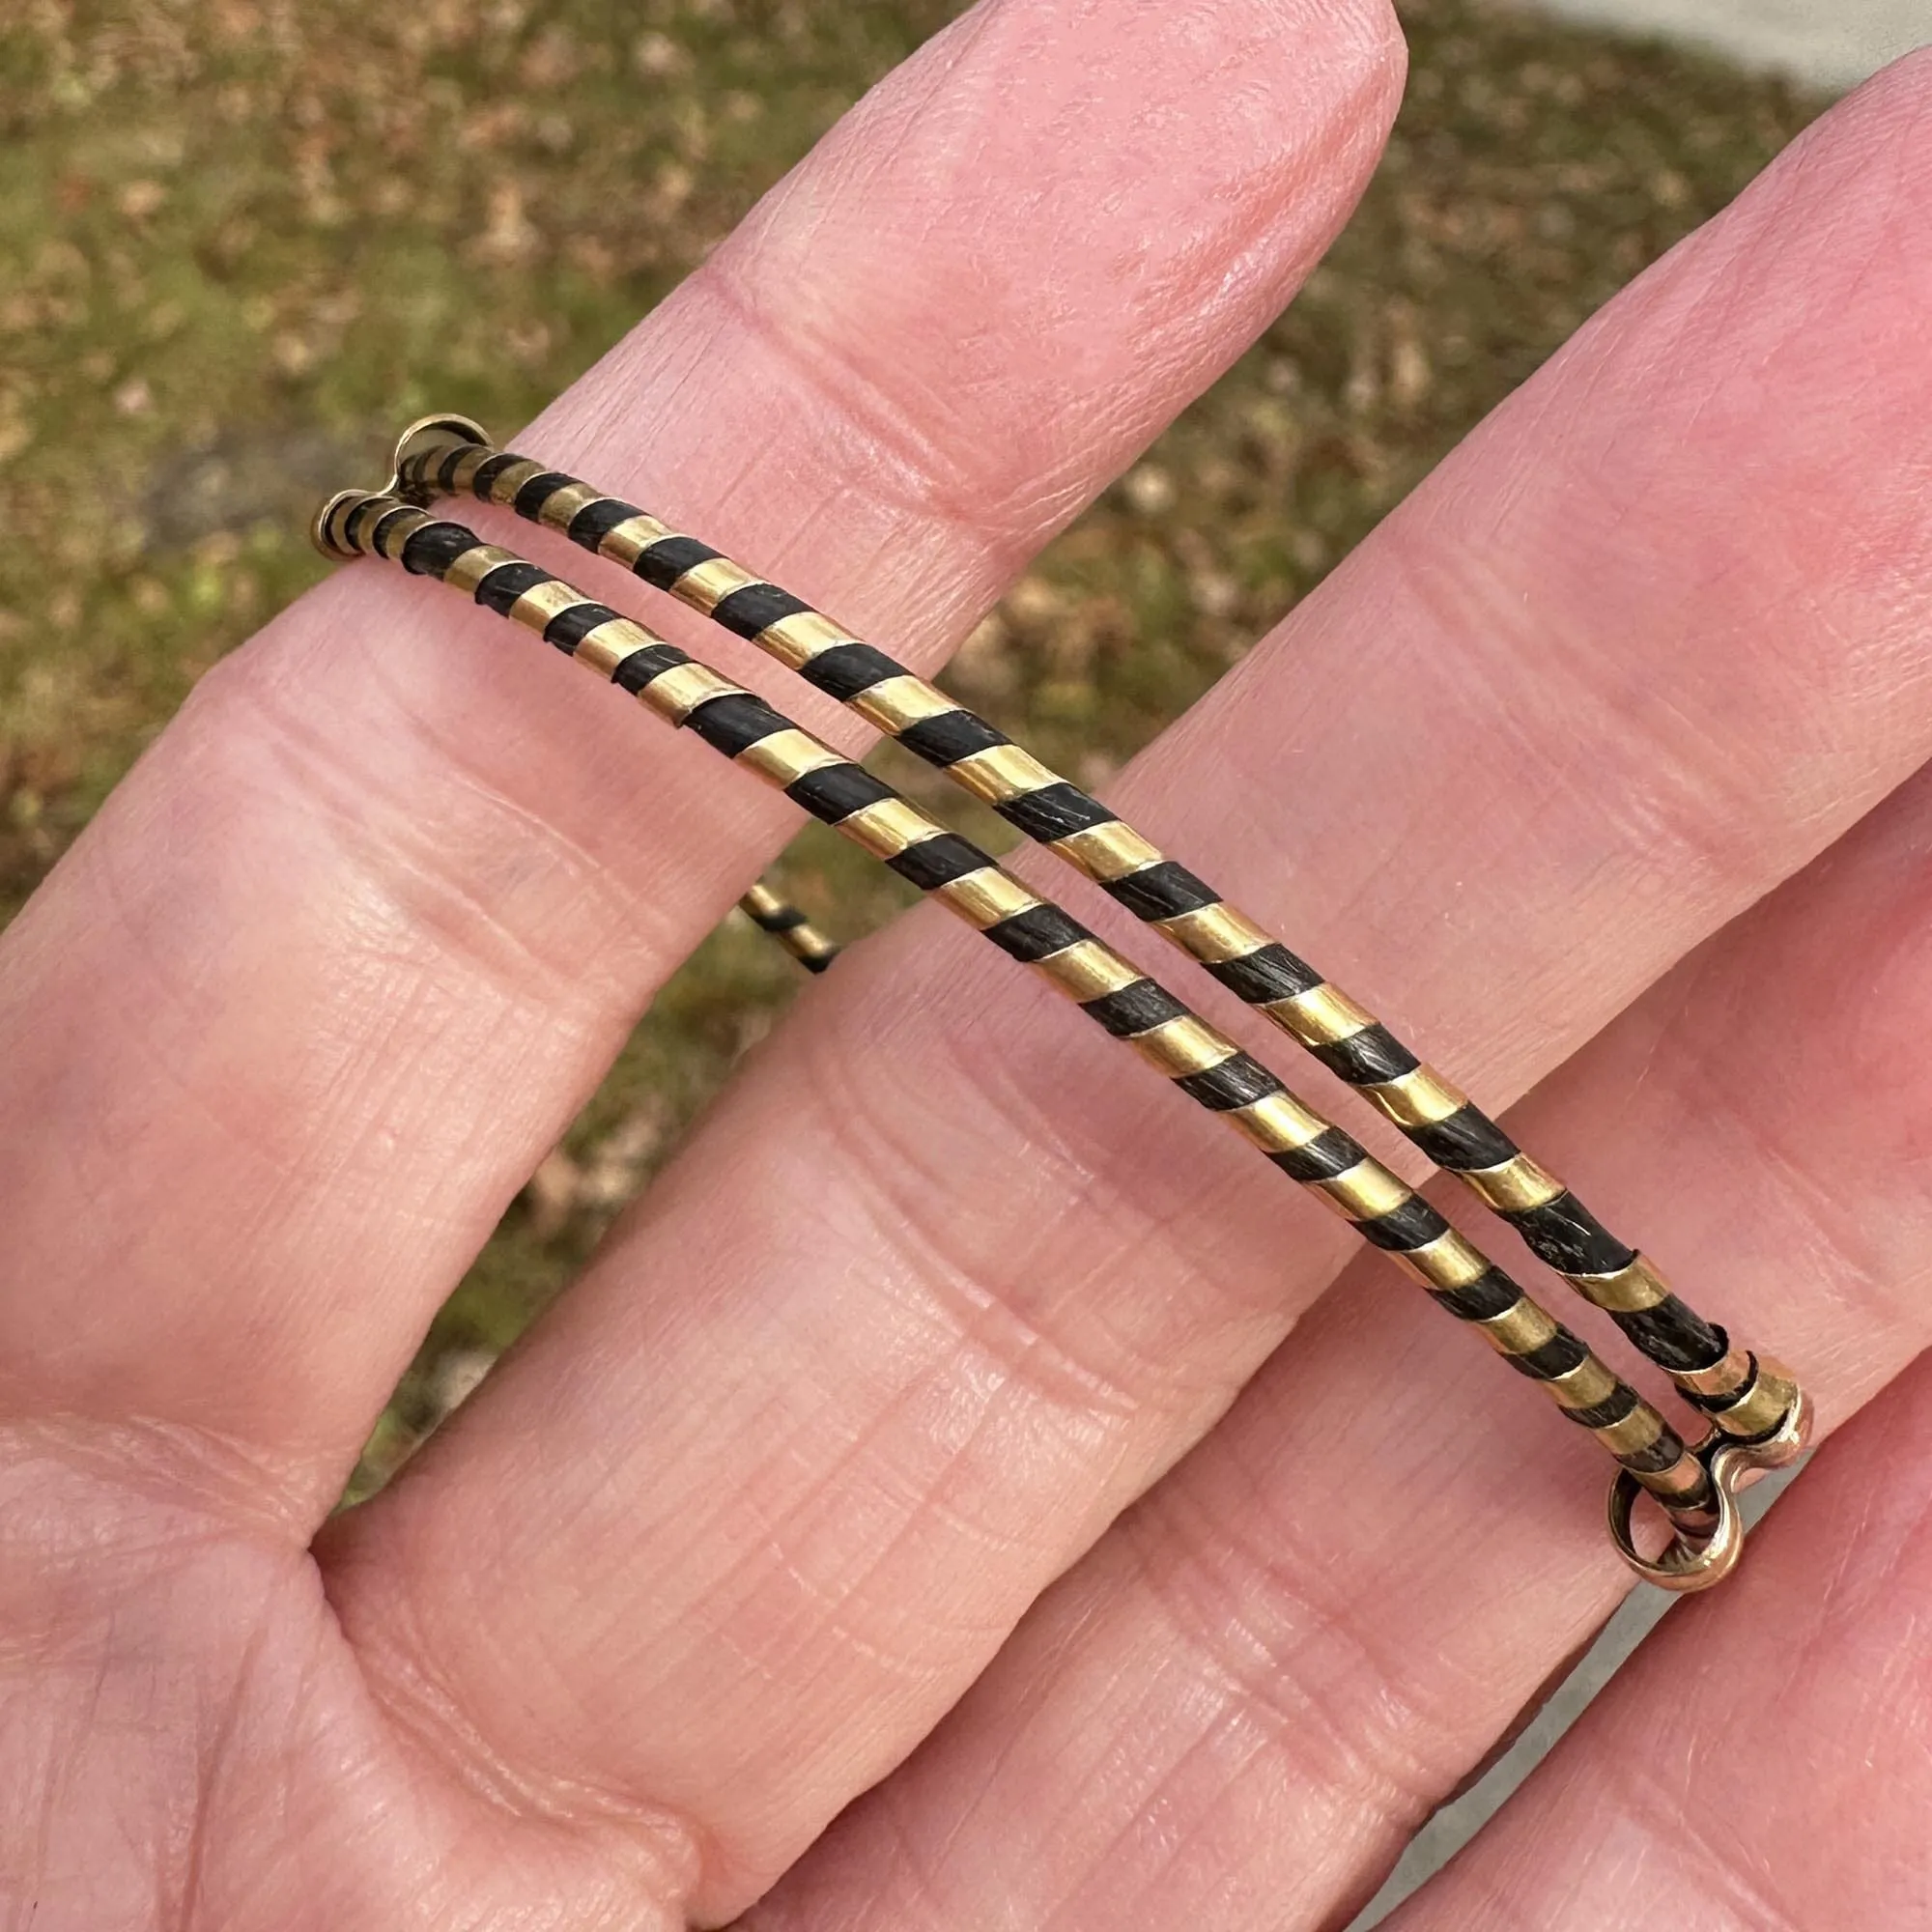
1757	1417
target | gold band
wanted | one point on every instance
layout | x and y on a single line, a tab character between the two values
449	454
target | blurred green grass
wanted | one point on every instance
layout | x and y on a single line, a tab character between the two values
240	239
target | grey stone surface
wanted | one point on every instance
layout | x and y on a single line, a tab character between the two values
1833	42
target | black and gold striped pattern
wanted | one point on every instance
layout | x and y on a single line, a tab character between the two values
1440	1120
791	927
1202	1062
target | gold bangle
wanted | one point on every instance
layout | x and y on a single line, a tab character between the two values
1758	1420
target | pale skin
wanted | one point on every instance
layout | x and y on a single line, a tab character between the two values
850	1479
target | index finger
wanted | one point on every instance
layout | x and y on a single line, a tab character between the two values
348	948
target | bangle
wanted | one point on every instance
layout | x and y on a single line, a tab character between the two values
1757	1416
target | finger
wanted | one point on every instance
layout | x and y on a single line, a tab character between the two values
939	1295
345	953
1763	1759
1269	1674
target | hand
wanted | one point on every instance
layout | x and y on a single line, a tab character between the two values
1594	767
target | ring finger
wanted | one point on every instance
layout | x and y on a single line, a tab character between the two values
1244	1702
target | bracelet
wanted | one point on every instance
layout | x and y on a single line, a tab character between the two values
1757	1416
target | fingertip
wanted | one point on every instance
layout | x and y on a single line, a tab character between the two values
1870	146
1370	43
1903	86
1084	211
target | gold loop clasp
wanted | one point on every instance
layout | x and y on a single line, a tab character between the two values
1694	1562
425	433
